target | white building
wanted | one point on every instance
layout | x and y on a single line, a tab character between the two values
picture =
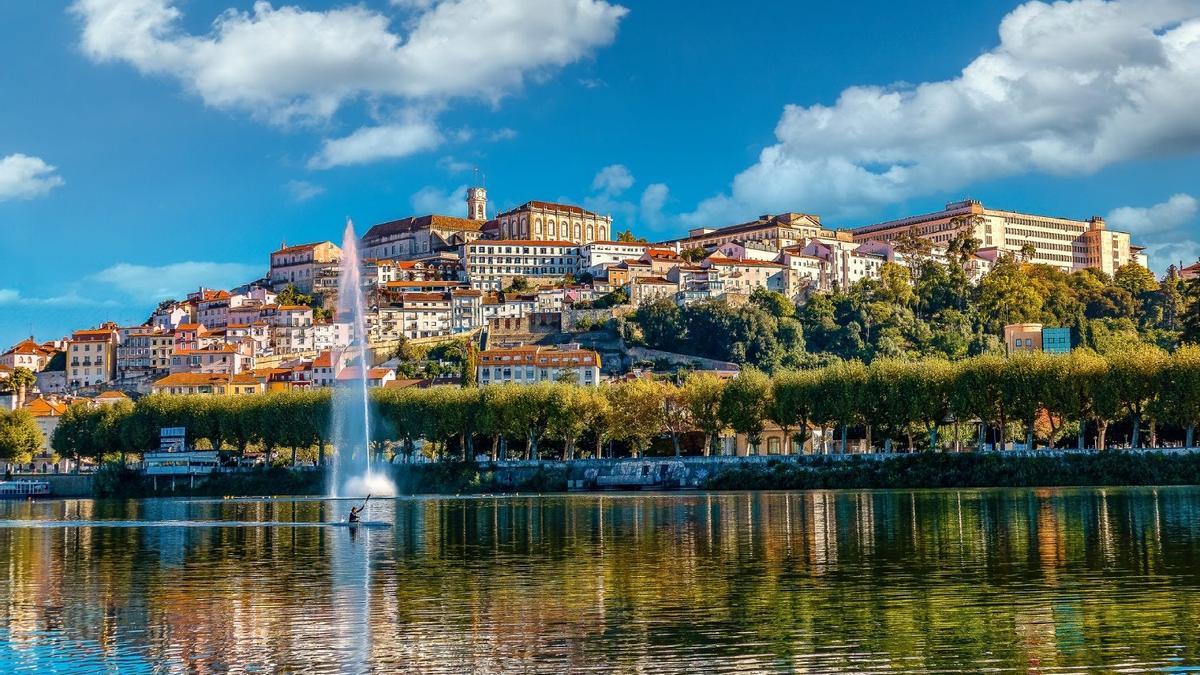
536	363
491	265
595	256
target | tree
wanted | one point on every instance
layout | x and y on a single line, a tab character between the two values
574	410
841	403
661	322
895	285
629	237
744	405
520	284
19	382
793	394
702	393
1181	390
773	303
1007	295
637	412
1135	279
20	436
1135	374
676	415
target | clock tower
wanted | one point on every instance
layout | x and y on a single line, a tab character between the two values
477	203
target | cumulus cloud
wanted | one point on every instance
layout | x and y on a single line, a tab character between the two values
1072	87
613	179
25	177
288	65
654	197
302	190
370	144
430	199
1162	217
151	283
1161	229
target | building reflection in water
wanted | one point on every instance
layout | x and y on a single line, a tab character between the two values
822	581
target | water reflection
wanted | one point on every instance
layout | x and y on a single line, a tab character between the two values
1044	580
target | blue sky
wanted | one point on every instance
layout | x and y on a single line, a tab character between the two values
148	146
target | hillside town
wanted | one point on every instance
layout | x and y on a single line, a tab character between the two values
520	296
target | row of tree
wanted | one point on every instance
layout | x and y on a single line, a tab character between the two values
1046	397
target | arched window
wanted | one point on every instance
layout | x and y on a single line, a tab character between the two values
578	234
537	225
524	226
563	229
602	233
590	231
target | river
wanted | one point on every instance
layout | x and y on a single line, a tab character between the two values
845	581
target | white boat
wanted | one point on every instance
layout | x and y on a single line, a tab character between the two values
24	489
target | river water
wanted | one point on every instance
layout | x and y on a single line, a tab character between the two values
848	581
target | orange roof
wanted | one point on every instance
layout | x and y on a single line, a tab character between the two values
323	360
292	308
535	354
97	333
40	407
111	395
301	247
28	347
547	206
189	326
638	244
192	379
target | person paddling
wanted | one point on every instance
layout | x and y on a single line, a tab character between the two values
355	510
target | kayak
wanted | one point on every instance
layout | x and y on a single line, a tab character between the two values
361	523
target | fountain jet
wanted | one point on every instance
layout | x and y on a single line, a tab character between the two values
352	472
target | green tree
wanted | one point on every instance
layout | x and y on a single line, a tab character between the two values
20	381
1136	375
1180	387
744	405
842	385
702	393
20	436
637	412
1007	295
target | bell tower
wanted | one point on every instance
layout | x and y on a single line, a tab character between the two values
477	203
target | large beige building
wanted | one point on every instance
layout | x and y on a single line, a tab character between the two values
1061	242
300	265
92	357
774	231
547	221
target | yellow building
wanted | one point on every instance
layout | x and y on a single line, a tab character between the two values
209	383
92	357
547	221
776	231
1065	243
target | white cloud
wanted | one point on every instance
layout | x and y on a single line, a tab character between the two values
504	134
1160	229
370	144
654	197
302	190
288	65
452	165
1164	254
613	179
1162	217
151	283
10	296
25	177
432	200
1072	87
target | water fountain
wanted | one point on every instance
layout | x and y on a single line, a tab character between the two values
352	473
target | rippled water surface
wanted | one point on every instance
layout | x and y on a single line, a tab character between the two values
1022	580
